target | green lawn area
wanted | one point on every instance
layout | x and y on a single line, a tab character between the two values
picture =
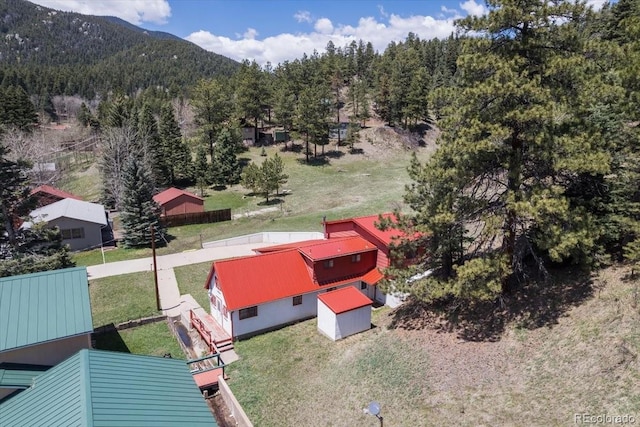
117	299
191	279
427	374
153	339
350	185
291	377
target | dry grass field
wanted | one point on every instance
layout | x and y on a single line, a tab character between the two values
531	364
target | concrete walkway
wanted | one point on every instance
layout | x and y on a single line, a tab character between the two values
167	284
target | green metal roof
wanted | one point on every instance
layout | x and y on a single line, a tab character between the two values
19	376
46	306
95	388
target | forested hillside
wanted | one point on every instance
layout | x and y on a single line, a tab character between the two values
64	53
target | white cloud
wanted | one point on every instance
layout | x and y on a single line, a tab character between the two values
286	46
302	16
445	9
473	8
323	26
382	12
250	34
133	11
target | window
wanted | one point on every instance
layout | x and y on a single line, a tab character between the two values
248	312
297	300
225	311
72	233
363	286
355	258
328	263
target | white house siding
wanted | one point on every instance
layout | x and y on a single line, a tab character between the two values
218	313
92	233
49	353
326	321
352	322
274	314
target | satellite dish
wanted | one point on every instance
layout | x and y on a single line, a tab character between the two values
374	408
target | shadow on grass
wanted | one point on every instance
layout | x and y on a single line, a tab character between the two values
533	305
292	147
272	202
110	340
334	154
356	151
314	161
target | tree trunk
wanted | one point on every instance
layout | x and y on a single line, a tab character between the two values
513	187
8	225
306	151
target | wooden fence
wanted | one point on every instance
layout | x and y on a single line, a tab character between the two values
207	217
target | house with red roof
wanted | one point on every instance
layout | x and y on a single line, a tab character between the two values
174	201
46	195
280	285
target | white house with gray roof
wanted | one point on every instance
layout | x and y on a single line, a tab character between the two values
80	222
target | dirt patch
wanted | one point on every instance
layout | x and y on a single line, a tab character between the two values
221	411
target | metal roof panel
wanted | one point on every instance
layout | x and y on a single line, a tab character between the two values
46	306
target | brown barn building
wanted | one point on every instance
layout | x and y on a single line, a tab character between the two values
174	201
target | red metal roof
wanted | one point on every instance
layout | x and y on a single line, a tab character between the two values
287	246
344	299
372	277
257	279
172	193
332	248
368	224
47	189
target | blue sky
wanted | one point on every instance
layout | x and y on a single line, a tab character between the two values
278	30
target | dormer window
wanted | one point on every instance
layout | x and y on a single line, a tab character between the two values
355	258
328	263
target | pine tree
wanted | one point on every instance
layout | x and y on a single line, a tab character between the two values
25	250
202	170
248	96
139	210
273	169
152	153
517	136
176	152
225	166
211	100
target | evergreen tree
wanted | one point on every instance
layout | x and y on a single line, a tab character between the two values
226	168
517	136
176	152
152	153
249	93
24	250
202	169
211	100
273	170
139	210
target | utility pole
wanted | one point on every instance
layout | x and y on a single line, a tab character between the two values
155	266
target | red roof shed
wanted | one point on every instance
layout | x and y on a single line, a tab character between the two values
174	201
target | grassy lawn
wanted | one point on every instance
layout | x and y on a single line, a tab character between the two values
350	185
585	361
117	299
191	279
153	339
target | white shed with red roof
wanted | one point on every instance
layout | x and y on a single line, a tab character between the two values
343	312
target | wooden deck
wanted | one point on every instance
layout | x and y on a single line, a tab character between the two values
211	332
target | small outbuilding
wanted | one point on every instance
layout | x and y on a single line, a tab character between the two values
174	201
343	312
